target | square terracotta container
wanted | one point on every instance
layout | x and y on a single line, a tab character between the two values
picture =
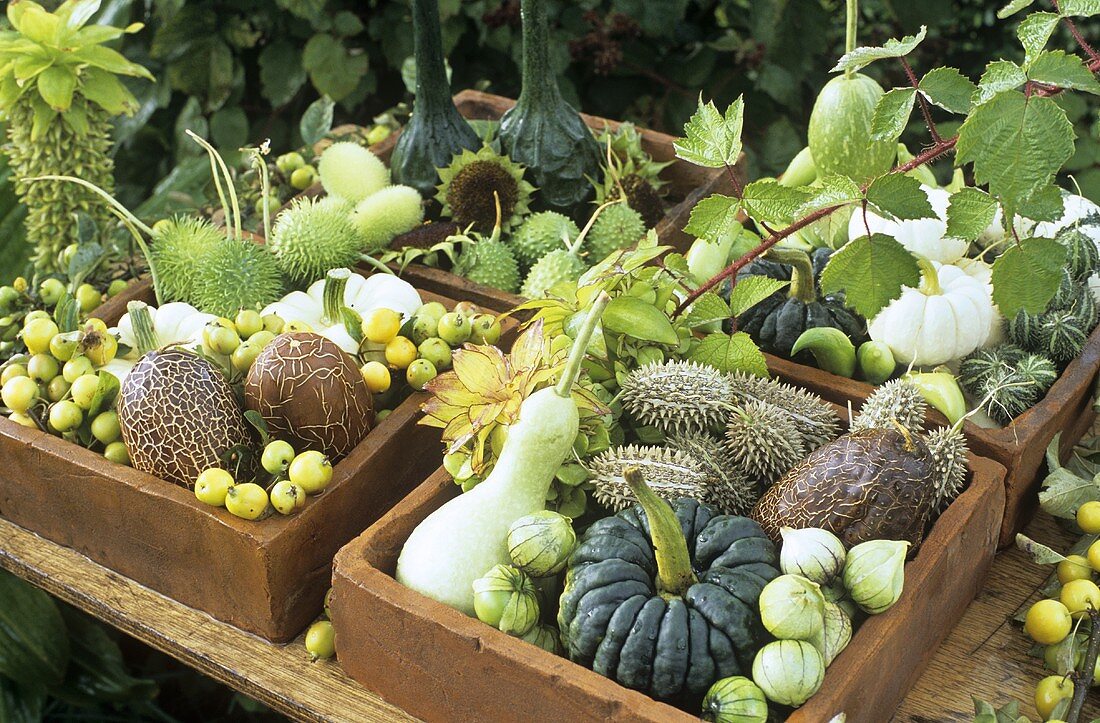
440	665
1020	447
267	577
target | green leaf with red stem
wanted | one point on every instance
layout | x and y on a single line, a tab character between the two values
999	76
1034	33
713	217
892	114
731	353
871	272
969	213
1055	67
900	196
893	48
766	200
949	89
711	138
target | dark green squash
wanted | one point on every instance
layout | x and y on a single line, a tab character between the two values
545	133
663	599
777	322
436	132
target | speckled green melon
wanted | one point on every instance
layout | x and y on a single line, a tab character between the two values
840	130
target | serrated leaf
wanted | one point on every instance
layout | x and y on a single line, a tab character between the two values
1026	275
1046	204
1016	144
1034	34
766	200
830	191
713	217
999	76
713	139
969	213
731	353
1079	8
1063	492
949	89
893	48
1040	553
751	290
871	271
259	424
707	309
900	196
1013	7
1055	67
892	114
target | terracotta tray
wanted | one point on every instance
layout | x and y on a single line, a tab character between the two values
438	664
267	577
687	184
1020	447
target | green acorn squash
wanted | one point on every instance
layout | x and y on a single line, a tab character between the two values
436	132
545	133
777	322
663	599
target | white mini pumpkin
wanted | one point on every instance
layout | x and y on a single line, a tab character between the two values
362	294
924	237
950	315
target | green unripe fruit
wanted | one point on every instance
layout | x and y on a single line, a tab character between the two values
485	329
261	338
287	497
11	372
289	162
617	227
8	296
76	368
242	357
437	352
63	346
88	297
876	361
116	452
65	416
302	178
433	310
383	215
352	172
556	267
162	226
116	287
19	394
277	456
490	262
237	274
50	291
377	134
105	427
212	486
840	130
542	233
247	501
419	373
38	333
320	640
57	389
42	368
219	339
273	323
540	543
454	328
424	327
84	389
248	322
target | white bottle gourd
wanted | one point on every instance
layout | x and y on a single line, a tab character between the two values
463	539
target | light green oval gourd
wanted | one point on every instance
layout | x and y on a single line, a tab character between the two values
840	124
463	539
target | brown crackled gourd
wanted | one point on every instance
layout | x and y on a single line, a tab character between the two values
179	416
873	484
310	394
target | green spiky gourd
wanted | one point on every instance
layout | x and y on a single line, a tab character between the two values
763	440
59	111
556	267
489	261
382	216
540	234
313	236
730	490
817	422
237	274
677	397
175	250
896	401
670	473
617	227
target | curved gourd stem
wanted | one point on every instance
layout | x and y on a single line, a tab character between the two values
580	346
332	310
141	321
803	286
929	278
232	220
674	573
851	30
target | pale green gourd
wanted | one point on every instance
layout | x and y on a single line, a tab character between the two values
465	538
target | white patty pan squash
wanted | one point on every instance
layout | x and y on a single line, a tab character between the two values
174	323
319	305
950	315
923	237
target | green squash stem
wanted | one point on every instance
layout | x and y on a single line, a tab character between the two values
929	278
145	334
572	369
674	573
803	286
333	301
851	30
540	85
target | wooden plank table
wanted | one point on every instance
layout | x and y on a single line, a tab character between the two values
985	655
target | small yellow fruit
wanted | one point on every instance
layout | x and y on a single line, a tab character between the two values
38	333
248	322
1048	622
1050	691
11	372
116	452
23	420
83	390
103	351
295	326
287	497
400	352
377	376
1079	596
247	501
19	394
1074	567
320	640
212	486
1088	517
1094	555
312	471
381	325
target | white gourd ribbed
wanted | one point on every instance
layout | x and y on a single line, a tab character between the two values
925	237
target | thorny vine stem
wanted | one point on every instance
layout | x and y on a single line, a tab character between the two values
936	151
1089	50
924	108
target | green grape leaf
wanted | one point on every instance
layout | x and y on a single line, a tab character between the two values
1046	204
317	120
892	114
1013	7
832	190
1016	144
766	200
1040	553
969	213
707	309
949	89
900	196
751	290
871	271
1079	8
731	353
713	217
713	139
1034	34
1055	67
1026	275
999	76
893	48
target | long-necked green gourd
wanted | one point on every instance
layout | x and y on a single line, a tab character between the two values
542	131
840	124
465	538
436	131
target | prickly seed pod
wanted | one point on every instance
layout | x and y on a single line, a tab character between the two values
313	236
672	474
489	261
677	396
382	216
897	400
817	555
176	246
542	233
874	574
730	490
948	449
763	440
351	172
618	227
237	274
817	422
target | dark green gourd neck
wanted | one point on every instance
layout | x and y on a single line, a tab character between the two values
540	86
433	90
803	286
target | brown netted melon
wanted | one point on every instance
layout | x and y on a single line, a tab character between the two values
873	484
179	416
311	394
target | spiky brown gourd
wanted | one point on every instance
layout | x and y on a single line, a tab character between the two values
815	419
896	401
671	474
678	396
